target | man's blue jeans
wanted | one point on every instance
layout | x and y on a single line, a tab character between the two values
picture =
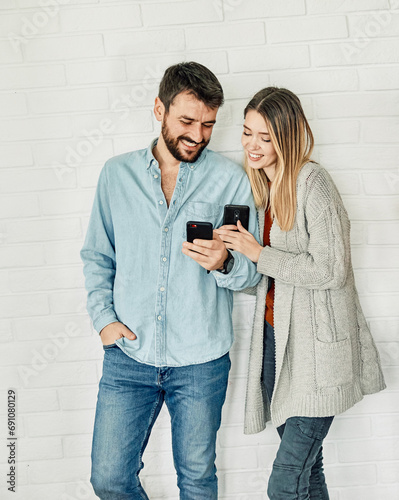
298	468
130	398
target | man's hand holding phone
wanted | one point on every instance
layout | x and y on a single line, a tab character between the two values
204	246
210	254
114	331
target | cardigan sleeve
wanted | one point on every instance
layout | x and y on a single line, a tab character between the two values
325	263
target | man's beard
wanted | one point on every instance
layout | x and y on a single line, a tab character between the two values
173	145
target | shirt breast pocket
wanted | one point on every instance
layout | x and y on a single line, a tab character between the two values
201	211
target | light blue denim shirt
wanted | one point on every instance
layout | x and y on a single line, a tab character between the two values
136	272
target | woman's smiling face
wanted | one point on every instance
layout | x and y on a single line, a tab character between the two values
256	142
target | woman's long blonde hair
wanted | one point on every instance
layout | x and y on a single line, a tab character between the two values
293	142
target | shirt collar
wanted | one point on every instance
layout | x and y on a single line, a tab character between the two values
192	166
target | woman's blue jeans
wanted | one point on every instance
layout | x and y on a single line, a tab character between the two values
130	398
298	468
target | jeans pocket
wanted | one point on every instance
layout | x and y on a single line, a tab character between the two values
109	346
314	427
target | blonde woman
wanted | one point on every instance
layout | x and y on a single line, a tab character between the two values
312	355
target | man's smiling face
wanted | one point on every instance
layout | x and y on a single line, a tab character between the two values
187	127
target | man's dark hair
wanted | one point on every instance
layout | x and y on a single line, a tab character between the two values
193	78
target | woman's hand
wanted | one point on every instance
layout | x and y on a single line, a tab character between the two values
242	241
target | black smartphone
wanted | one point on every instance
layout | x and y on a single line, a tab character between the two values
233	213
200	230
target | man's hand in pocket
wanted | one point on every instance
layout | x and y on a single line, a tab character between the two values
114	331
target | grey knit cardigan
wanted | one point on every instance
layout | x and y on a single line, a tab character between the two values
326	360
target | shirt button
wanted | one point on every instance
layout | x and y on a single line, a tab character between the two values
156	176
166	229
161	202
159	318
191	166
164	259
162	289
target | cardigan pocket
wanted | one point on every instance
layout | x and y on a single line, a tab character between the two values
329	315
333	363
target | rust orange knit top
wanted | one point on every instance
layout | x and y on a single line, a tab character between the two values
270	293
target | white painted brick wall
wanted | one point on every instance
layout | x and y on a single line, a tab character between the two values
77	84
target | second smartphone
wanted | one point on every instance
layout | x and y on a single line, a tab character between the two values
234	213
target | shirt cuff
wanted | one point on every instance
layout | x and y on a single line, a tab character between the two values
222	278
104	320
229	266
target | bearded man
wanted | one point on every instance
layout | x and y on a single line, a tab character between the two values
162	305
